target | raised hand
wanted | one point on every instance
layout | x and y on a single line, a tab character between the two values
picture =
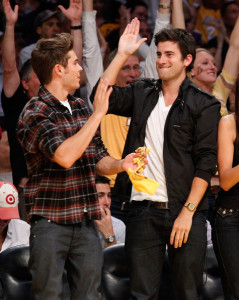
105	225
101	99
74	12
10	14
128	41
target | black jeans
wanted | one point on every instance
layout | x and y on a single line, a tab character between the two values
225	237
148	232
55	247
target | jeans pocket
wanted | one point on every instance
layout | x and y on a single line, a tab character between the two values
225	212
135	212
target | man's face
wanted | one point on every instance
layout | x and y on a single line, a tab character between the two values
232	12
3	225
129	72
71	73
32	85
49	28
140	12
104	194
145	32
169	63
98	5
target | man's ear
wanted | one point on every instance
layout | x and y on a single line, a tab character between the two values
38	30
188	60
58	70
25	84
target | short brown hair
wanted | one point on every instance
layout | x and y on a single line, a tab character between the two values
182	38
50	52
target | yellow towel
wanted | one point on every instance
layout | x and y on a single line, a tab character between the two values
142	183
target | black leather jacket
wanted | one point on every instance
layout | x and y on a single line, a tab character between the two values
190	135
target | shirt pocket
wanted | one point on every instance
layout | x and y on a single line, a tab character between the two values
182	134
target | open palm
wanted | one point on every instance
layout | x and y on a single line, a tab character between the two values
10	14
128	41
74	12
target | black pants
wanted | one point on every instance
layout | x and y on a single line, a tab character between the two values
148	232
225	236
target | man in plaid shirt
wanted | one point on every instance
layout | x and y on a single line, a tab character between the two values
63	152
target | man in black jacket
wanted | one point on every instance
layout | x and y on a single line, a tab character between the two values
178	122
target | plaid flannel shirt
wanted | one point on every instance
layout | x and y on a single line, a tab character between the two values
56	193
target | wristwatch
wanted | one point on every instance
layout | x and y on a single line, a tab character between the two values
190	206
164	6
110	239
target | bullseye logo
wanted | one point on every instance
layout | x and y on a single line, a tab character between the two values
10	199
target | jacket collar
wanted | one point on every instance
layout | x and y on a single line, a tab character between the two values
184	85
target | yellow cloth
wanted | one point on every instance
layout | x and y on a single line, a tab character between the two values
222	88
208	21
106	29
142	183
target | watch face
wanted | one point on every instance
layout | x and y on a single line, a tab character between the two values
191	206
111	239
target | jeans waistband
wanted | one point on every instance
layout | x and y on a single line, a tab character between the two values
35	218
224	210
149	203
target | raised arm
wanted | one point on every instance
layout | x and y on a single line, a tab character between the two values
73	147
220	40
92	58
162	21
178	20
228	175
74	13
231	66
11	78
128	44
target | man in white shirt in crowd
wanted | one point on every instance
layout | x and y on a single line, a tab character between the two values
13	231
110	229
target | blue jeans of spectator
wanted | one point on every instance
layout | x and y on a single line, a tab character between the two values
55	247
225	237
148	232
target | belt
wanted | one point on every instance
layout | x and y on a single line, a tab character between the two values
35	218
148	203
224	210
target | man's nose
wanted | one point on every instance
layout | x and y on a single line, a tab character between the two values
161	59
133	73
56	27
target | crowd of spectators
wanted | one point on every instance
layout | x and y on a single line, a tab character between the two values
213	23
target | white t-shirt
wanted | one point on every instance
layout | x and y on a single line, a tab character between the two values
18	233
154	138
119	231
66	104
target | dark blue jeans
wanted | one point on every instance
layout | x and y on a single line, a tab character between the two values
147	234
76	248
225	237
